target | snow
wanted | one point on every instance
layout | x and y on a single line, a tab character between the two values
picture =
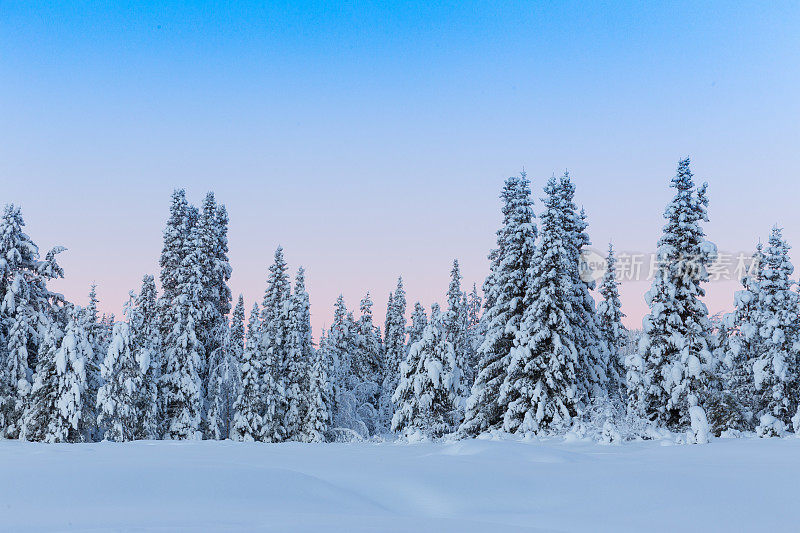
472	485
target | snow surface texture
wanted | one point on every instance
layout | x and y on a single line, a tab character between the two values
472	485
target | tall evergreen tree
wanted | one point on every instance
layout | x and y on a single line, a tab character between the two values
774	333
541	385
300	358
40	420
118	398
143	321
72	423
317	416
610	315
247	420
394	350
455	325
427	395
184	351
27	309
505	290
274	343
675	348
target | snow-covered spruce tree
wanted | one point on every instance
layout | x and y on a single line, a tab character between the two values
504	290
455	326
610	314
71	421
247	421
273	350
174	248
225	378
299	360
143	322
118	397
474	331
366	374
541	385
317	416
419	320
427	395
394	350
339	348
773	333
96	335
184	351
675	348
27	308
592	351
42	411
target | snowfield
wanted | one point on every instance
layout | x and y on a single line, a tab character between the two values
475	485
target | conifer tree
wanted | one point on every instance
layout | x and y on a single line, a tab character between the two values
474	333
72	424
184	351
118	398
317	415
394	350
247	420
274	343
675	348
541	384
300	355
455	324
27	308
774	333
505	290
419	319
42	411
143	322
427	395
610	315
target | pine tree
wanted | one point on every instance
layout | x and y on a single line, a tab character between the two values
317	415
427	395
366	367
118	398
474	334
774	333
300	356
455	325
226	376
592	351
143	322
27	308
505	290
72	424
541	385
394	350
182	386
40	420
247	420
273	348
610	315
675	347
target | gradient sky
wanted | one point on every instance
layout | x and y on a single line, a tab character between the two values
371	140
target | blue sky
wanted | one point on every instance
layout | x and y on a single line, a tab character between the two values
371	139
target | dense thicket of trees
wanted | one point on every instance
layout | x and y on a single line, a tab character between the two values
533	356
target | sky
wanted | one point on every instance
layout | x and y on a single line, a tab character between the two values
371	140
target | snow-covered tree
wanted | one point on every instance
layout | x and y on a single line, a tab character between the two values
71	423
184	351
676	346
41	418
247	420
419	320
317	416
541	385
772	333
610	315
474	333
225	377
273	350
394	350
504	290
27	309
455	322
299	360
427	395
118	398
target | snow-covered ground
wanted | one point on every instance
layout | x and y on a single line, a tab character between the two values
728	485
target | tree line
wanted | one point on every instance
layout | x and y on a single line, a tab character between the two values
534	354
